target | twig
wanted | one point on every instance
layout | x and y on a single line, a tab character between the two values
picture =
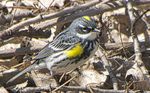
137	49
22	7
140	16
55	21
39	18
71	88
120	35
19	51
100	8
31	32
63	84
7	74
7	18
107	66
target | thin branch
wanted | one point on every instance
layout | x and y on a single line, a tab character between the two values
63	84
137	49
31	32
7	18
19	51
39	18
100	8
71	88
108	67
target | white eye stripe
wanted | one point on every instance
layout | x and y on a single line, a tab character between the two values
85	30
90	27
82	26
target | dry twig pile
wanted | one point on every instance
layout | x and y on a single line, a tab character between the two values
121	64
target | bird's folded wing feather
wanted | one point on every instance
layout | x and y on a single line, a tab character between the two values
58	44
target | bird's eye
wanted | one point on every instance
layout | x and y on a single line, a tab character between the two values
89	29
86	30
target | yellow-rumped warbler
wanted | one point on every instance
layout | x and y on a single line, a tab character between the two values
70	49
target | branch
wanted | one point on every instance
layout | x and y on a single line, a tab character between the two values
31	32
100	8
71	88
19	51
108	67
7	18
137	48
39	18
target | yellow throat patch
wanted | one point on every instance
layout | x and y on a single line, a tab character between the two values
75	51
87	18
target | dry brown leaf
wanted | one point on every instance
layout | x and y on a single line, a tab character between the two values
42	79
91	77
22	85
3	90
46	3
139	81
9	46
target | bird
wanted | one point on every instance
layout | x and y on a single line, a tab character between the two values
69	49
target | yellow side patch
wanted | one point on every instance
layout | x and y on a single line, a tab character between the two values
87	18
75	51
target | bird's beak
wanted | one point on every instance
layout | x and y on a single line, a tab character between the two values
98	31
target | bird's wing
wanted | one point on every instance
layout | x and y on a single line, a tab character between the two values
72	52
60	43
57	45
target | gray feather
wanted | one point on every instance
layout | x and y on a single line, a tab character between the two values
34	66
60	43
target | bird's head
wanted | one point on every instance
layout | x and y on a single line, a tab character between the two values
85	27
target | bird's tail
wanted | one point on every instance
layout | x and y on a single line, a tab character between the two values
34	66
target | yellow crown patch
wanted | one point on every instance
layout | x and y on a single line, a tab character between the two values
87	18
